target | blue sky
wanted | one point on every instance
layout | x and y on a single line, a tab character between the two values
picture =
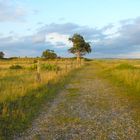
27	27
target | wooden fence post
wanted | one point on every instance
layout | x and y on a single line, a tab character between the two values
57	69
71	64
38	76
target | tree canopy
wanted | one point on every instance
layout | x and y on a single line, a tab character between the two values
2	54
49	54
80	46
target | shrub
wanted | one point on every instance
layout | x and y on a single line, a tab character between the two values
16	67
49	54
87	59
35	61
50	67
33	67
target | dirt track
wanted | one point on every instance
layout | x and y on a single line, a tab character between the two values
89	108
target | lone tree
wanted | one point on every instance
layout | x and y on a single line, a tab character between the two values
49	54
1	55
80	46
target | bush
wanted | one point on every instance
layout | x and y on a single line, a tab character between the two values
87	59
50	67
49	54
33	67
125	66
16	67
35	61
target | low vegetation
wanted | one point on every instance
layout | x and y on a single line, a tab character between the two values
50	67
16	67
21	96
49	54
125	73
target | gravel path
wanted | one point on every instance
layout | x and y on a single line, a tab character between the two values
88	108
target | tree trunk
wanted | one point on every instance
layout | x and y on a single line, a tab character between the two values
78	57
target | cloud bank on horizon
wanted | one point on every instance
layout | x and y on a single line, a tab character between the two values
20	36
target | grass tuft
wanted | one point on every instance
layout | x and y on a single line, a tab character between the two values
16	67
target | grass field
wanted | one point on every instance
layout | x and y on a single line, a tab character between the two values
122	72
21	95
96	104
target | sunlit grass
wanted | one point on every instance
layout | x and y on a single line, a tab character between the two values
122	72
125	75
21	95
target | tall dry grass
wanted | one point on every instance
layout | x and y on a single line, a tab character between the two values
22	96
122	72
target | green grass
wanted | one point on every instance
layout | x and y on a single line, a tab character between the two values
50	67
125	75
17	114
21	96
73	90
66	120
72	93
125	66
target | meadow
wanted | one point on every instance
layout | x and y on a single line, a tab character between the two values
22	95
125	75
100	102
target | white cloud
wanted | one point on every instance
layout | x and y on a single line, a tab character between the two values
107	41
58	39
38	38
11	11
112	32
